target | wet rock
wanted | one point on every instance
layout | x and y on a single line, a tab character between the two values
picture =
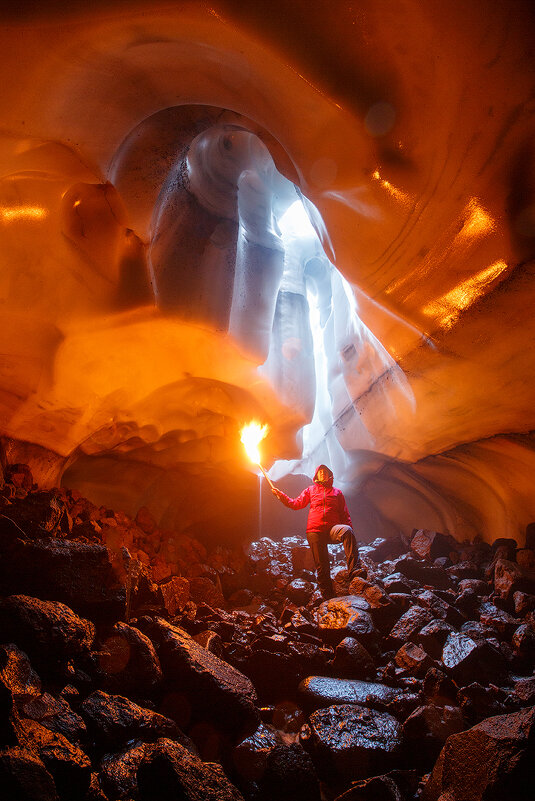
524	603
289	775
24	776
409	624
493	759
438	687
218	692
398	785
129	662
82	575
348	742
384	548
55	714
382	609
508	578
113	719
352	660
525	691
433	636
210	640
478	702
478	586
299	591
467	602
413	659
317	692
250	756
464	570
496	618
440	608
118	771
17	674
423	572
467	660
397	582
48	631
175	593
431	544
65	761
523	642
169	772
402	600
302	559
204	590
426	730
347	617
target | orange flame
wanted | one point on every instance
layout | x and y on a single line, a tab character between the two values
252	435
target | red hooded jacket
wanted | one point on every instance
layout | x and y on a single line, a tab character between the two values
328	506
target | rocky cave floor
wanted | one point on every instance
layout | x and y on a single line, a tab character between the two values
136	664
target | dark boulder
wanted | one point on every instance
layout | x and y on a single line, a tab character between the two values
55	714
423	572
17	674
118	771
48	631
317	692
169	772
426	730
492	761
128	662
467	660
431	544
433	636
216	691
112	720
348	616
24	777
409	624
352	660
69	766
348	742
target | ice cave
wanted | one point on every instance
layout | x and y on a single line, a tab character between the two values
318	216
149	152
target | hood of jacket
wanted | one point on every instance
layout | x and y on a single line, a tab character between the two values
329	481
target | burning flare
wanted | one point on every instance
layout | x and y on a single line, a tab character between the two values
252	435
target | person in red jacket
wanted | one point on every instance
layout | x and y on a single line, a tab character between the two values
328	521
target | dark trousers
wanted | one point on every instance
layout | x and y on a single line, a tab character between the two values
319	541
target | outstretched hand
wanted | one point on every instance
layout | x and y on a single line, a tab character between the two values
276	492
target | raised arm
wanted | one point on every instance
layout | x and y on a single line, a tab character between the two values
293	503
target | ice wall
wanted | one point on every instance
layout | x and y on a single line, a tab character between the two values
130	274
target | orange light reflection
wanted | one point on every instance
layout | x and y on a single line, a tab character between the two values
449	306
11	213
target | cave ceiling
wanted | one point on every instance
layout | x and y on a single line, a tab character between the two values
147	154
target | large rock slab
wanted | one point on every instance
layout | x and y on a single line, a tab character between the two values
349	742
113	719
215	690
169	772
84	575
492	761
318	692
48	631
